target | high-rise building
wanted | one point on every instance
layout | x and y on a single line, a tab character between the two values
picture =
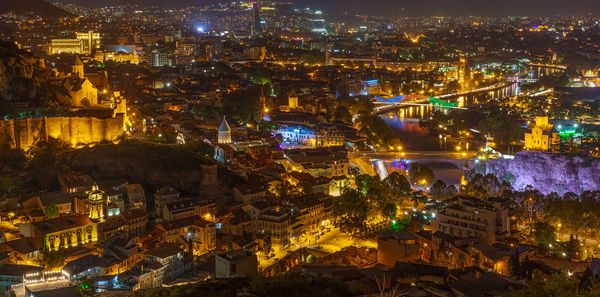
256	28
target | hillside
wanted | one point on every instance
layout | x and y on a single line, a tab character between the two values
35	7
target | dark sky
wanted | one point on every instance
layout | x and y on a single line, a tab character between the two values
411	7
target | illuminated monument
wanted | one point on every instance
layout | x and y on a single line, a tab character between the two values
540	136
224	133
96	203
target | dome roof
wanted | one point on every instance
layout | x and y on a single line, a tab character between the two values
224	126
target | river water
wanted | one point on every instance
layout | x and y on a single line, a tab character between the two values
404	123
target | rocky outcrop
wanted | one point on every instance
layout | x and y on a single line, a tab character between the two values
158	165
548	172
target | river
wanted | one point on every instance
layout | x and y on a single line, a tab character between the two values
404	123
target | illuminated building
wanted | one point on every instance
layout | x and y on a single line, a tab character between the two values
62	232
540	136
81	91
293	100
159	60
96	203
66	46
83	44
119	57
91	40
224	132
319	135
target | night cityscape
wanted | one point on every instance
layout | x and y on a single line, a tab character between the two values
299	148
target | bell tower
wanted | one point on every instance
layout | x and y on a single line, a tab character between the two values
96	203
78	68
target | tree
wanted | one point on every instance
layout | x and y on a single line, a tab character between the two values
343	115
51	259
441	191
544	233
558	285
573	248
351	208
397	184
389	210
453	86
51	211
86	287
420	174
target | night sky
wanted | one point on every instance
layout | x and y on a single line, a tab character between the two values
410	7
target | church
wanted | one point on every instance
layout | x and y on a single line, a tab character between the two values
540	136
81	90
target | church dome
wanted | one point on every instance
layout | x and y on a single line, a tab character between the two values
224	126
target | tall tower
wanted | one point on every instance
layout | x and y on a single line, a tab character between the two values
96	203
293	100
78	68
224	133
262	106
256	28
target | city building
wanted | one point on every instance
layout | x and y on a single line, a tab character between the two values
489	221
232	264
249	192
395	247
189	207
328	162
84	43
171	259
256	29
194	234
164	196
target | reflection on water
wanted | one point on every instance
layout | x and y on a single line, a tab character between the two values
404	123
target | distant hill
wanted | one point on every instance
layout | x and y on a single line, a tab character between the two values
35	7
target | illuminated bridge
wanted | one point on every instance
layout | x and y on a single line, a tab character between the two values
497	91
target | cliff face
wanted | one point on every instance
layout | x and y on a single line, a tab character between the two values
138	162
548	172
21	75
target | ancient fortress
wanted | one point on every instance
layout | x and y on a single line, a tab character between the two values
75	131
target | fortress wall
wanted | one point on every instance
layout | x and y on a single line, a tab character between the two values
24	133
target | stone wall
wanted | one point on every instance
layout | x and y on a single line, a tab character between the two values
74	131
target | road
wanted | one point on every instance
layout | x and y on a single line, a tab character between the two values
330	242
